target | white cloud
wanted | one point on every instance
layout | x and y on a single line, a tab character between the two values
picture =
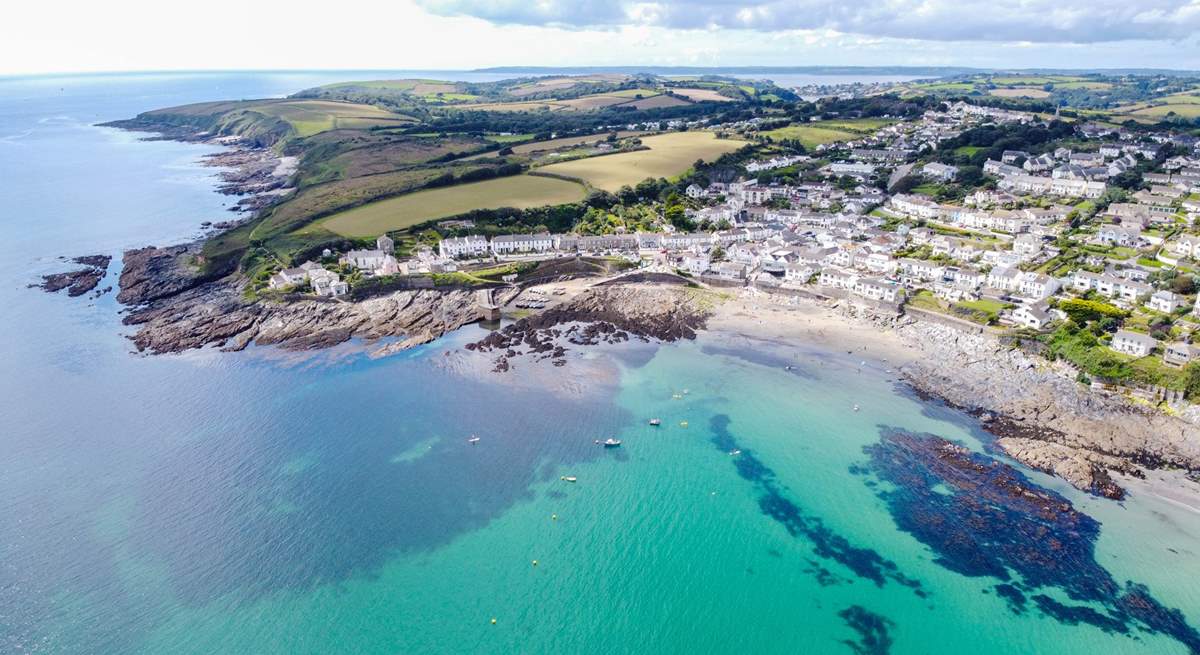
1045	21
400	35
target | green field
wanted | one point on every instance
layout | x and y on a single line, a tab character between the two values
1034	79
668	156
519	191
309	117
810	136
1020	92
566	142
507	138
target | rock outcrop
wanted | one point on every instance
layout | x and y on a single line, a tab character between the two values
608	314
77	282
150	274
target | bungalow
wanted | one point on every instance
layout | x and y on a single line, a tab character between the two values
1165	301
1180	353
1132	343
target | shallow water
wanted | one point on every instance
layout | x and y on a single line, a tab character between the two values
215	503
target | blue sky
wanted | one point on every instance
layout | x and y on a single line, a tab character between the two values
432	34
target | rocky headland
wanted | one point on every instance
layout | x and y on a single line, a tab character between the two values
175	311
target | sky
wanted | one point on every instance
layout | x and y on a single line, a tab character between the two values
141	35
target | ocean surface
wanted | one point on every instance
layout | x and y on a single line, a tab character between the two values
267	503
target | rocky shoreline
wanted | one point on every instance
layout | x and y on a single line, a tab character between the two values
252	168
1038	416
1043	419
175	311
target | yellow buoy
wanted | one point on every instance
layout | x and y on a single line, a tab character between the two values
493	621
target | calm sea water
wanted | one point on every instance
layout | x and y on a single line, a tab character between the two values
213	503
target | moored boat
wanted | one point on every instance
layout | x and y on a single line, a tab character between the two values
612	443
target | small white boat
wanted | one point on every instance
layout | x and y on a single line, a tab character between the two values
568	478
856	408
655	421
473	440
735	452
612	443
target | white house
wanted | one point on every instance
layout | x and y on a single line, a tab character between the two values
837	278
940	172
468	246
367	260
1035	316
1037	285
695	264
875	289
1180	353
1027	245
1165	301
1132	343
328	283
519	244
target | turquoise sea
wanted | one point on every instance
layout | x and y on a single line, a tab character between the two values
260	503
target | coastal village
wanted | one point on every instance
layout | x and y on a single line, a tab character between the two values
1039	241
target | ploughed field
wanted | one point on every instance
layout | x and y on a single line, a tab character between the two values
518	191
668	155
